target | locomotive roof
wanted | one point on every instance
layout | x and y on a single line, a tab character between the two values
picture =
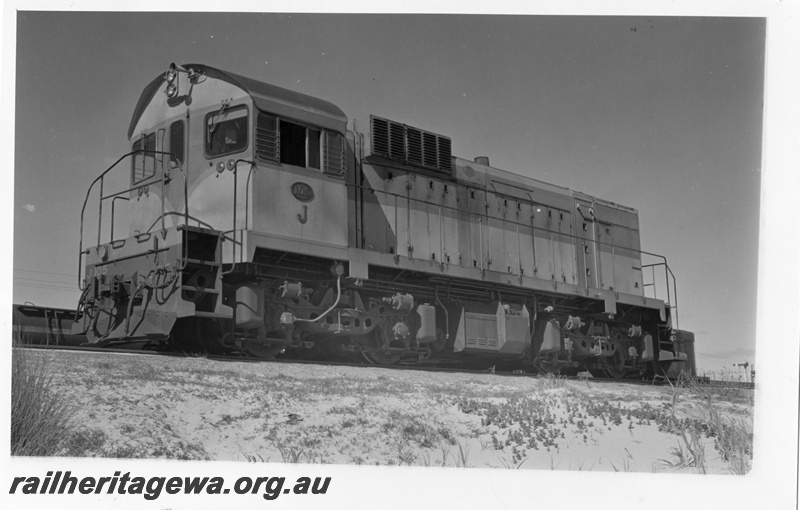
267	97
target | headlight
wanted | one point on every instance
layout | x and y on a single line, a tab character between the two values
172	81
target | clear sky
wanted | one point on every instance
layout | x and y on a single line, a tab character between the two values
663	114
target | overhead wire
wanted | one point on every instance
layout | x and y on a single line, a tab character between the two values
28	281
48	280
44	272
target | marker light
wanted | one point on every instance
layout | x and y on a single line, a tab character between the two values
220	167
231	164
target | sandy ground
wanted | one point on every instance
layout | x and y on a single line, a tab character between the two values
133	406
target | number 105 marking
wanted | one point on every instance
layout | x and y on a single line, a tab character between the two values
97	271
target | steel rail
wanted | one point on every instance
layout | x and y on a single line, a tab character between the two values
655	381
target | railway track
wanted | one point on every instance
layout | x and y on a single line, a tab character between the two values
657	381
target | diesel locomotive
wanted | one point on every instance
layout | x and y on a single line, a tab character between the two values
263	221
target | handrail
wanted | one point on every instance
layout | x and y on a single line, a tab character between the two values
235	170
669	277
200	223
101	179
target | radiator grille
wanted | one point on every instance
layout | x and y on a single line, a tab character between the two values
414	138
380	137
445	153
411	146
430	156
397	141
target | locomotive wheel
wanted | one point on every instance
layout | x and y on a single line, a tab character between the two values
379	358
612	367
375	340
614	372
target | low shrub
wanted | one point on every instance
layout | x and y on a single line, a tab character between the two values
41	419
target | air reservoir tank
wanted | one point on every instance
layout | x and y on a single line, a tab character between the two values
427	323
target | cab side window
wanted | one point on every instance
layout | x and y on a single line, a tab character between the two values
299	145
226	131
144	161
293	144
176	143
289	143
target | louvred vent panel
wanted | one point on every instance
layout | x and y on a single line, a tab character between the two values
410	146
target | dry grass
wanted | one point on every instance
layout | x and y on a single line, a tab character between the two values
688	454
733	437
41	420
145	407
